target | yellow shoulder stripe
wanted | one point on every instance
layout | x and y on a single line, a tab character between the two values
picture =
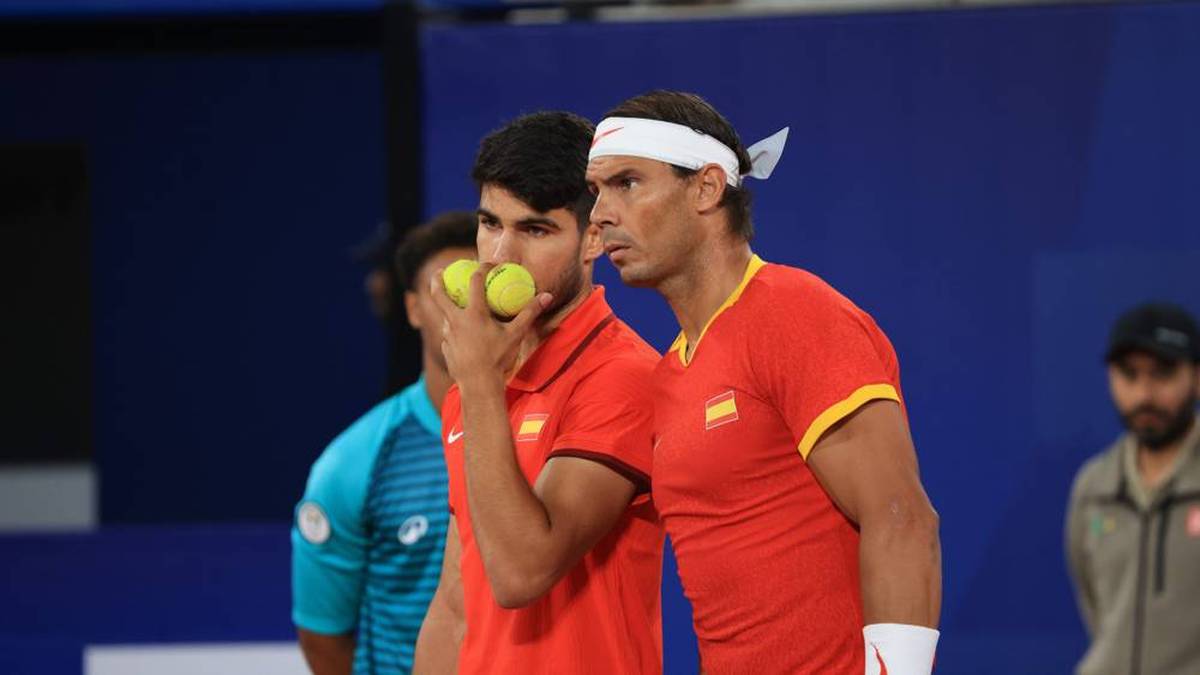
842	409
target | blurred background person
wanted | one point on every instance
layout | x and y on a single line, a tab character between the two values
1133	523
375	252
368	536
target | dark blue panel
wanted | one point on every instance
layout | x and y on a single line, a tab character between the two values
680	651
182	584
73	8
139	585
232	335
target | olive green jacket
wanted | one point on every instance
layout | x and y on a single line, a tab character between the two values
1135	561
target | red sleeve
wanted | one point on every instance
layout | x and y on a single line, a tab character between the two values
609	419
818	358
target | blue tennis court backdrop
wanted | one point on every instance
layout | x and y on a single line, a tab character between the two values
994	186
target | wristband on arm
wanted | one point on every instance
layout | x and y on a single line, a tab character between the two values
899	649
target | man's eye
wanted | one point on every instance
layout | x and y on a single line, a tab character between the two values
537	232
489	224
627	183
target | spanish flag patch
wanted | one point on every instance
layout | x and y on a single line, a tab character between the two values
531	426
720	409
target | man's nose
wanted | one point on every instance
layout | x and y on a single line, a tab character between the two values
602	214
1142	389
503	249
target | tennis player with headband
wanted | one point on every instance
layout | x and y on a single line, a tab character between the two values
784	471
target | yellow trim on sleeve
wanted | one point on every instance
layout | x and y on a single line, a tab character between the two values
681	343
840	410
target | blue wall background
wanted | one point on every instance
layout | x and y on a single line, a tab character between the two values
139	585
232	337
994	186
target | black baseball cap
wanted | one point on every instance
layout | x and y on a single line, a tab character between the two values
1159	328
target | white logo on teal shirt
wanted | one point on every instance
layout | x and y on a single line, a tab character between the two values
412	530
312	523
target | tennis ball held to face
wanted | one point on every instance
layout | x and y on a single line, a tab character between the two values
457	280
510	288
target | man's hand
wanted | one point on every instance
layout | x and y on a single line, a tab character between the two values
476	344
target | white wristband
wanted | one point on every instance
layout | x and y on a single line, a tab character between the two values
899	649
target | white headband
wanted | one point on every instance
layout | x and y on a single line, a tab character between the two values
683	146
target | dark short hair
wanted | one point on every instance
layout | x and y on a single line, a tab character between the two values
452	229
541	158
692	111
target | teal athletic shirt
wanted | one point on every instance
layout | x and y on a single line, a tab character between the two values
368	536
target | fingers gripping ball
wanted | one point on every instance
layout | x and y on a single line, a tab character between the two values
509	288
457	280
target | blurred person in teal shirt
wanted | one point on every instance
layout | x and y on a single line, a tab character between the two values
369	533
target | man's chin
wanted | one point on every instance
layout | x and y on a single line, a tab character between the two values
1169	429
1160	438
632	275
1150	438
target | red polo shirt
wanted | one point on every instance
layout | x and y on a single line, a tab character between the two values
767	559
583	393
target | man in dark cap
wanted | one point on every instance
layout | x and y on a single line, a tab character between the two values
1133	525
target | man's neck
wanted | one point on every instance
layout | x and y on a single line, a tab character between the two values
704	285
1154	466
543	329
437	381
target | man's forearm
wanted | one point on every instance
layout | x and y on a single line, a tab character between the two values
439	641
327	654
901	569
511	525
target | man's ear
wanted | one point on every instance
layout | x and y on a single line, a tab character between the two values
412	310
710	188
593	244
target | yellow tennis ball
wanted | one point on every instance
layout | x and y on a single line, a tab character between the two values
457	280
509	288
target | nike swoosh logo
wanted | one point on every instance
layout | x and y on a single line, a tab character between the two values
609	132
882	665
451	437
